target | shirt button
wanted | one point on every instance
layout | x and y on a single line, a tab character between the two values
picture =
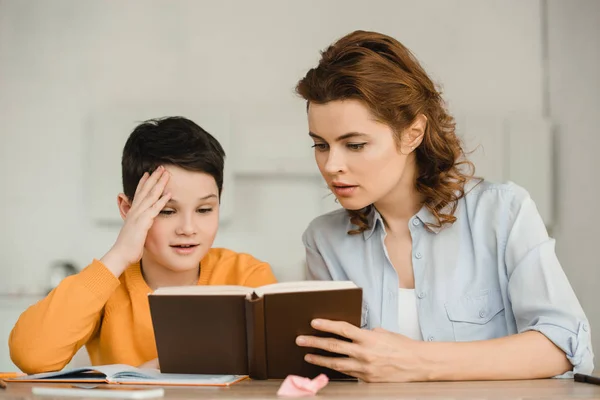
422	295
431	338
416	221
419	256
585	327
481	313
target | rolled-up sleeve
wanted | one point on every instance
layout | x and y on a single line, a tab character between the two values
540	293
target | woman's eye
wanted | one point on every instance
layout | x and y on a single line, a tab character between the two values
356	146
320	146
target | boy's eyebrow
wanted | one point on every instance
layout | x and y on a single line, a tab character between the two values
208	196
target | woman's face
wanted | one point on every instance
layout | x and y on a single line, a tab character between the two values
358	156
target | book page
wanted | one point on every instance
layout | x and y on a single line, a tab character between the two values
207	290
111	370
156	377
127	374
83	373
304	286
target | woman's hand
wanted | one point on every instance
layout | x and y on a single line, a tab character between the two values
373	356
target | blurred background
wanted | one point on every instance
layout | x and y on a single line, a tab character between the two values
521	78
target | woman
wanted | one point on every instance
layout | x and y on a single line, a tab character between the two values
460	279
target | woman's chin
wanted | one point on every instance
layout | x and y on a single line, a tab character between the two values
353	204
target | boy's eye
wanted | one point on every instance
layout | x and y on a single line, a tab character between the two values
167	212
356	146
320	146
205	210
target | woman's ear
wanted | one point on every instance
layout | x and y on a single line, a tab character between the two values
413	135
123	204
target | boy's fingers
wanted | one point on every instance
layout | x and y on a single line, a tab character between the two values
149	184
160	204
140	185
155	192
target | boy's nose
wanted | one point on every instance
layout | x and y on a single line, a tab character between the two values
186	227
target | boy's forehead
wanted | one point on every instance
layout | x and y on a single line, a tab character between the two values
190	185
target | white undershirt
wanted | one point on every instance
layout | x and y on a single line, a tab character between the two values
408	319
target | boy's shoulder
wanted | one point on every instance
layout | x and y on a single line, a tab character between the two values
227	267
219	256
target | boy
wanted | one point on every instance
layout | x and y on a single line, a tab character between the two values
171	217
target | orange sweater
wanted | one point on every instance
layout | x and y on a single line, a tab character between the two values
110	316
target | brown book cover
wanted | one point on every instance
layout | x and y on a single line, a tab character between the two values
243	331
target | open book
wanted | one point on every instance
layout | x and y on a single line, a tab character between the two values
126	374
244	331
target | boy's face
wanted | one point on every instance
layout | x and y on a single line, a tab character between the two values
185	229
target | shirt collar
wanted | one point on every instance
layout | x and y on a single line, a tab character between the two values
374	219
429	220
424	215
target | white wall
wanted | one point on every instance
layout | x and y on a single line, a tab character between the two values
574	62
62	63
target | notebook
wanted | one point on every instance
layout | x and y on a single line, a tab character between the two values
126	374
237	330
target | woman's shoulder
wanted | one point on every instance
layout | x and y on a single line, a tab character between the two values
330	226
480	192
335	218
496	205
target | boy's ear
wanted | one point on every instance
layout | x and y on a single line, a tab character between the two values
124	205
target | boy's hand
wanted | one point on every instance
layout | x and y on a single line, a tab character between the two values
148	201
151	364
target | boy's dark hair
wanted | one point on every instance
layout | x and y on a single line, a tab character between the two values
170	141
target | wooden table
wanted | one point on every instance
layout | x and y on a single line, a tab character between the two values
535	389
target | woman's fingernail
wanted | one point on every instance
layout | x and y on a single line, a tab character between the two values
316	323
300	340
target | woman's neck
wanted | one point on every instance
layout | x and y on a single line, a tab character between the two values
403	202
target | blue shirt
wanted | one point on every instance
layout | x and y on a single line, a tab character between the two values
492	273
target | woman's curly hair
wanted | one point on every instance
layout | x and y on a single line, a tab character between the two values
385	76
